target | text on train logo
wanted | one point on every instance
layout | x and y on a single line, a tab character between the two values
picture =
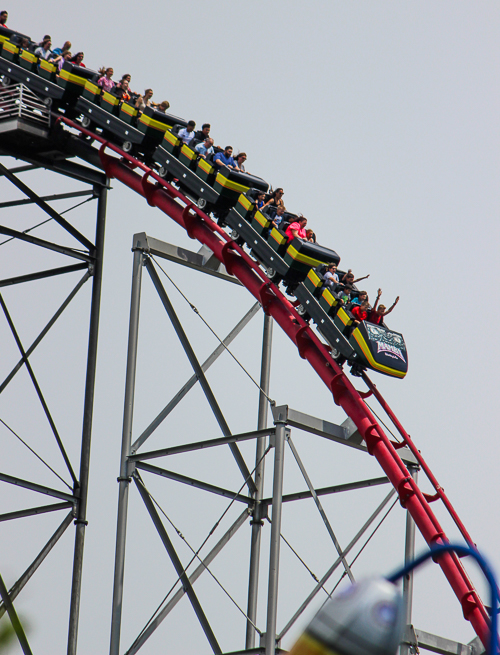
389	349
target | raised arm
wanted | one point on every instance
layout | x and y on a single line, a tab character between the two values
362	278
379	293
346	274
388	311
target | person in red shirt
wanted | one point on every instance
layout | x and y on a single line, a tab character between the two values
121	90
377	314
360	312
297	229
78	59
3	18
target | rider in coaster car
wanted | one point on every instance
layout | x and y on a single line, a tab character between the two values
377	314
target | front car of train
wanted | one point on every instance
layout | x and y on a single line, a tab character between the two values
380	349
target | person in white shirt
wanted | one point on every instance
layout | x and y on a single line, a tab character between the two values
330	277
44	51
187	133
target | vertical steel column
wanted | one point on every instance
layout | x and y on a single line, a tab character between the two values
88	410
409	556
124	479
256	522
274	556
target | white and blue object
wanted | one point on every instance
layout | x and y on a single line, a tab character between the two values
365	619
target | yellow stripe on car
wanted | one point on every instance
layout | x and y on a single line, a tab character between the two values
151	122
187	152
261	219
329	298
303	259
230	184
245	202
70	77
131	111
277	236
346	320
10	47
205	166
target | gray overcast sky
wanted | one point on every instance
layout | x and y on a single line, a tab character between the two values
380	120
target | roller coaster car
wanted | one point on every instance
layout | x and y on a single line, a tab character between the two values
73	78
230	195
290	262
9	49
246	204
303	255
92	92
28	60
189	157
102	109
155	123
367	346
380	349
17	65
47	70
191	182
10	35
171	143
230	184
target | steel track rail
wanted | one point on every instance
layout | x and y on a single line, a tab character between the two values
238	263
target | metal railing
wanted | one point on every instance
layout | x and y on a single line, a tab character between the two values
17	101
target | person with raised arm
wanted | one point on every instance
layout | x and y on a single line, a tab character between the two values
378	312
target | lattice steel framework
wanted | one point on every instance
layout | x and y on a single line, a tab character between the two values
135	463
88	255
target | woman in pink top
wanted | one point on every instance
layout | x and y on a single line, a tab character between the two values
105	82
297	229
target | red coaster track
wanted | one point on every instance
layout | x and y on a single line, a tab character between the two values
201	227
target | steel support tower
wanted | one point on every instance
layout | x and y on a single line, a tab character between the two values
82	261
39	148
270	443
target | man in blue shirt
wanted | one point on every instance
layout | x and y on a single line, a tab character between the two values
225	158
205	147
